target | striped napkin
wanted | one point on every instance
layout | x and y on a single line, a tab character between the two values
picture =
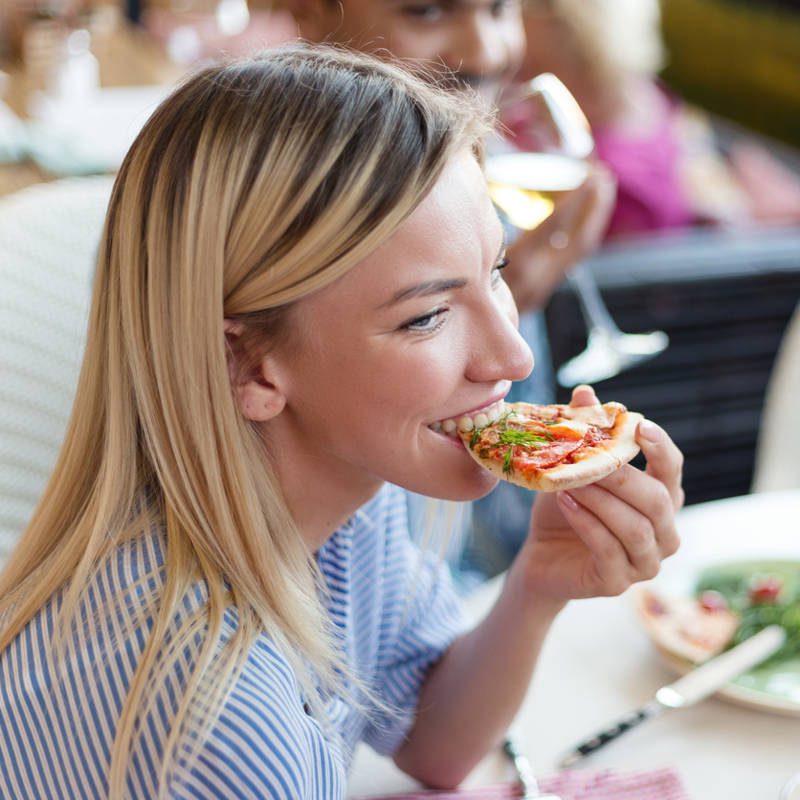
661	784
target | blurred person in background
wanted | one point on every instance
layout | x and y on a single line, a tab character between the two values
669	168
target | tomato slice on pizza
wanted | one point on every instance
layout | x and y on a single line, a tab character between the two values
552	447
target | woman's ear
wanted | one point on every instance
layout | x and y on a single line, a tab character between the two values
258	393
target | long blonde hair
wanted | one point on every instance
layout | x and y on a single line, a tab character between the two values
254	184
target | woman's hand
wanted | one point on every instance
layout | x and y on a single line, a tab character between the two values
596	540
540	258
599	539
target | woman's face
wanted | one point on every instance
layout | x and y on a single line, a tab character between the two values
480	41
422	331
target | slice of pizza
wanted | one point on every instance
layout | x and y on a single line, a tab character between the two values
552	447
692	628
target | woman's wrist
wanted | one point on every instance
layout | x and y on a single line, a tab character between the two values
531	602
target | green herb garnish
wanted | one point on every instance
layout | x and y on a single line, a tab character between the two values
736	583
528	438
476	434
507	466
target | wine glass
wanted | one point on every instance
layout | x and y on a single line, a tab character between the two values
525	187
791	789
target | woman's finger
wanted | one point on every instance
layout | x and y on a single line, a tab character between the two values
583	395
640	531
664	459
662	493
609	570
590	219
651	498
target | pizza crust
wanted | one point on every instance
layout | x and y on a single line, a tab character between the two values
596	464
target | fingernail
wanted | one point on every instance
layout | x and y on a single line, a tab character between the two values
650	431
568	500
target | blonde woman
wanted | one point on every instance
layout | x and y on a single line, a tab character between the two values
217	596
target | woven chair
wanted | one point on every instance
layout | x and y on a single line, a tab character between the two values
48	242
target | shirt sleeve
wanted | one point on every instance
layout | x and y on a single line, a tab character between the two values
422	617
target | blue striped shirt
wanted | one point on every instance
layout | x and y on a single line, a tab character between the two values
396	614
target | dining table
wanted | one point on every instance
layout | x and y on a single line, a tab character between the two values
598	663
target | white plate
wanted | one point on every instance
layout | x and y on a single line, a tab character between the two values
752	528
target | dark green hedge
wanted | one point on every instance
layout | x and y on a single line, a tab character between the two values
738	58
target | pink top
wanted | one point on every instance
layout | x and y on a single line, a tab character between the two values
646	166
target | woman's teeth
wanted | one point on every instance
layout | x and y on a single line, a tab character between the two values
466	422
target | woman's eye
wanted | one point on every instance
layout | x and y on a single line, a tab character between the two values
428	12
501	7
427	323
496	272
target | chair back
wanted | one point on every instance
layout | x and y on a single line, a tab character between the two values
778	450
49	235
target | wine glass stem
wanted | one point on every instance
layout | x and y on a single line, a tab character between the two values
593	308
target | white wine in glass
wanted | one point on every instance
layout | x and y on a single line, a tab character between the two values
525	186
527	206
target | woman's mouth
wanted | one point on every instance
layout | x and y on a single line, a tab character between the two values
467	422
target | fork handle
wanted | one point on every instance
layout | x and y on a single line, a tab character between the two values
525	776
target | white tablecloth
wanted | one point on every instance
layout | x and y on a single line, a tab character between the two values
597	664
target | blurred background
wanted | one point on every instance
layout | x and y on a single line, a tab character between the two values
692	101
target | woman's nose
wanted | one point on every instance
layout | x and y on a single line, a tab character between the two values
499	351
481	46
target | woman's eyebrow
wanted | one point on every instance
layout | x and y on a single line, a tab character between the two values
427	288
434	287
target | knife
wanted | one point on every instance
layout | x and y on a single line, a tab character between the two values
692	687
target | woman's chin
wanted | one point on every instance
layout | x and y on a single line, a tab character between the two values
464	486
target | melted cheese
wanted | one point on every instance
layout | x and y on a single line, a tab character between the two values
579	429
603	416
